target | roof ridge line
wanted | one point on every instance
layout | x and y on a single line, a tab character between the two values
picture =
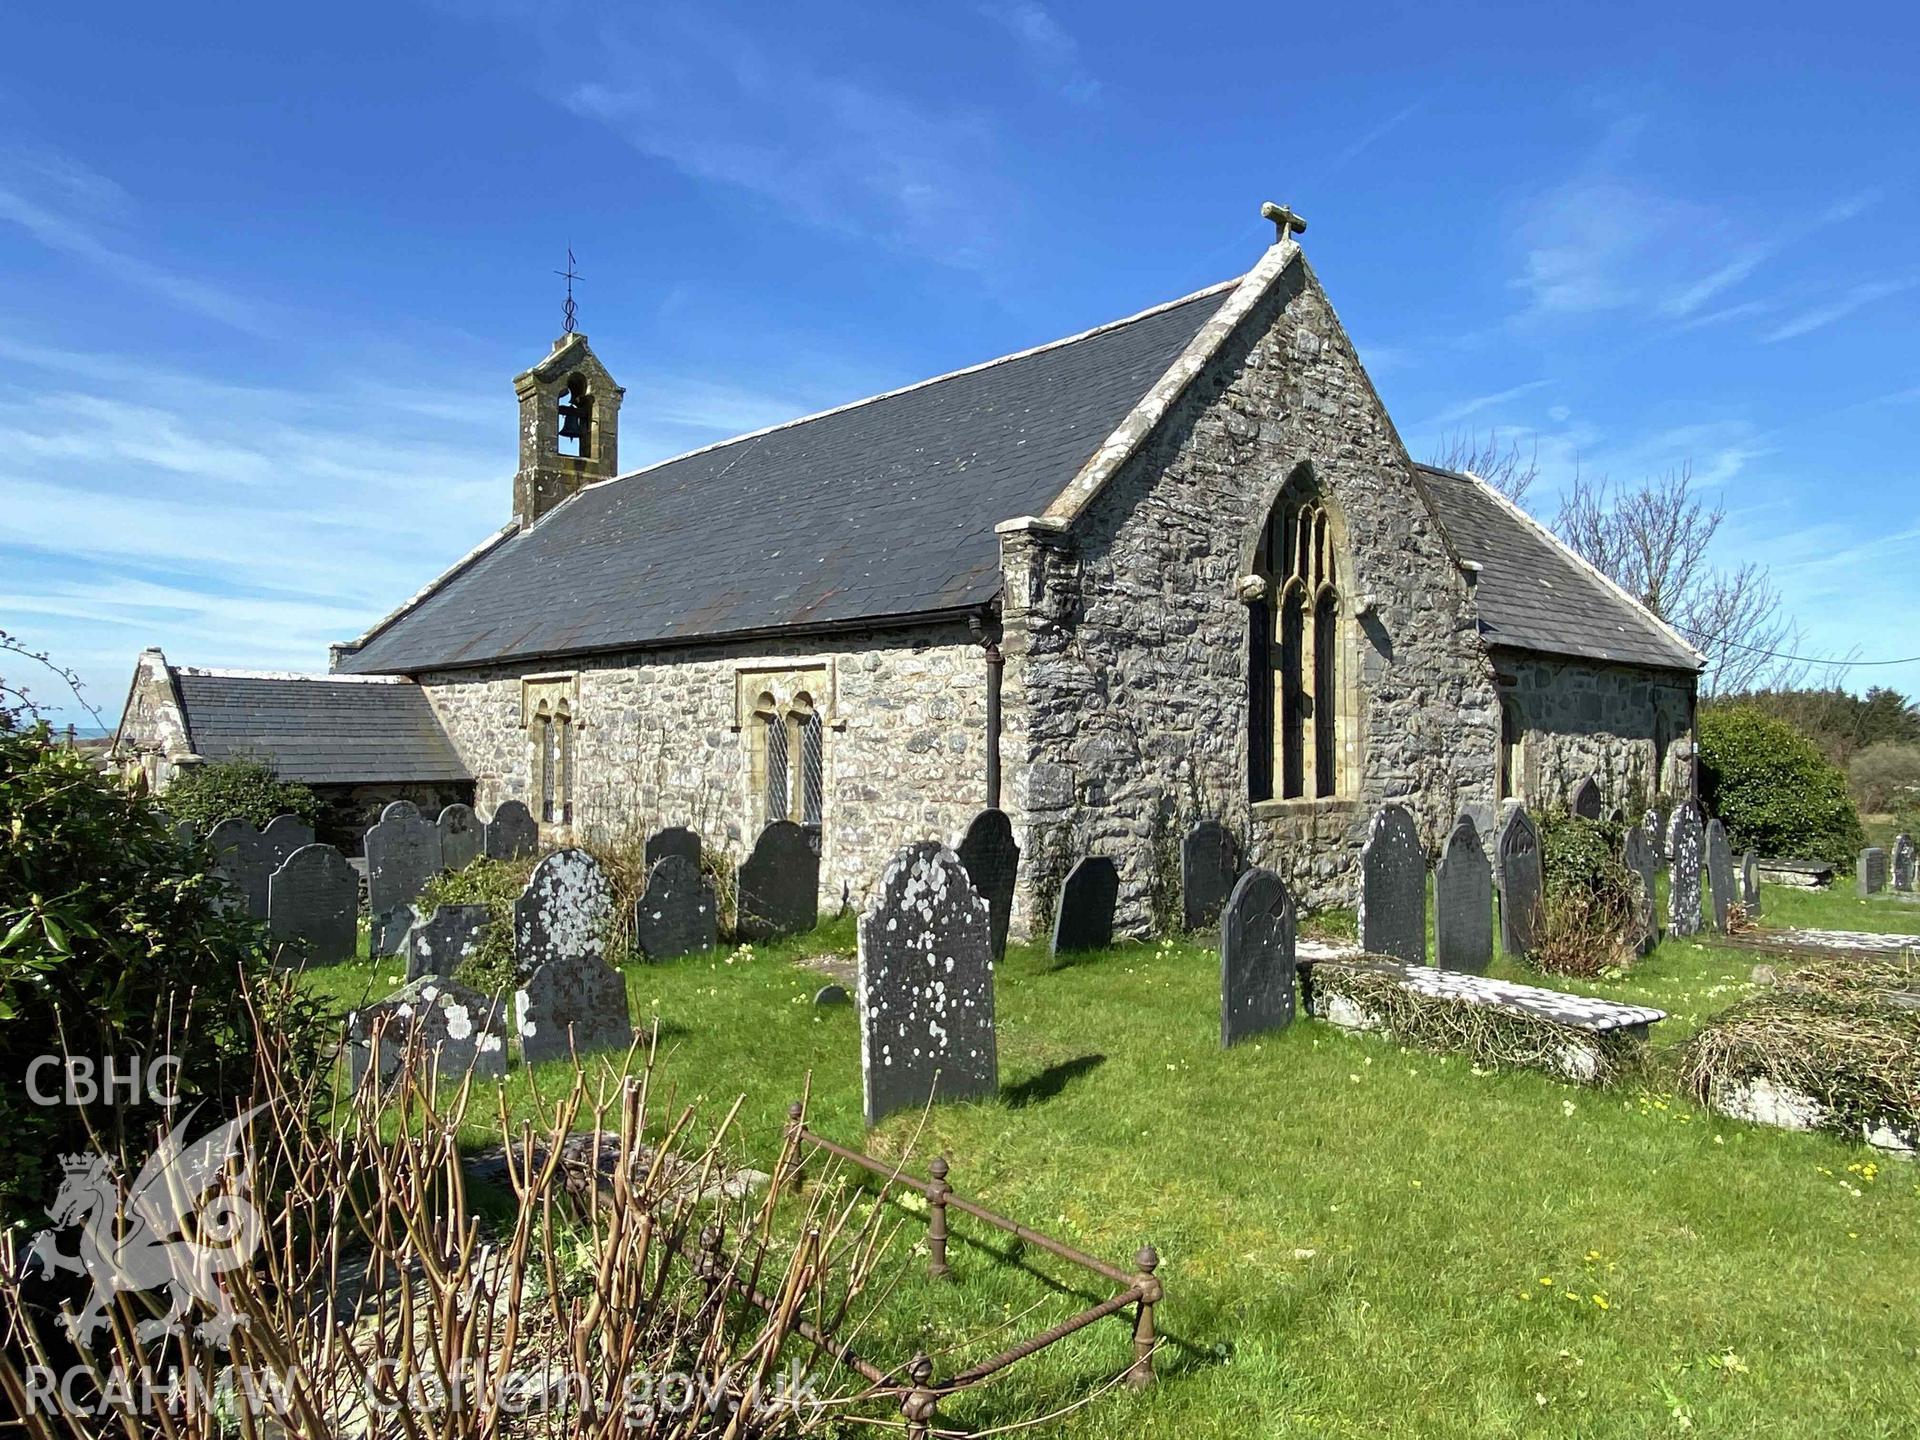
419	597
222	672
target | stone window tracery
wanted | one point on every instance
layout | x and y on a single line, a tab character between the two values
547	703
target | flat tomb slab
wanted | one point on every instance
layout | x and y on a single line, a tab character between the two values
1820	942
1575	1012
1798	874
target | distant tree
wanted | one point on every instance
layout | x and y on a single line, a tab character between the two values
1885	777
236	790
1509	468
1840	723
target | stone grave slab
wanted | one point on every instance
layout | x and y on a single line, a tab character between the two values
1750	883
1686	856
462	837
993	864
564	912
1871	872
1463	902
925	986
239	860
313	907
1655	825
441	942
1257	933
1903	862
1720	881
1393	888
511	832
1586	799
284	835
403	853
1796	874
570	999
674	840
678	914
431	1021
778	886
1210	863
1083	915
1636	853
1522	886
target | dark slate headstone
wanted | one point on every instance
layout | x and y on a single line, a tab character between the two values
239	859
403	853
284	835
674	840
1720	875
1750	883
1636	853
1586	799
1393	888
462	837
1209	865
778	886
570	999
1257	927
433	1022
1903	862
678	914
1463	902
926	986
832	995
511	833
313	906
1872	870
186	832
1517	852
1656	828
993	863
388	932
441	942
1083	917
1686	846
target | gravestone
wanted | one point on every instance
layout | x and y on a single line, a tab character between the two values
1083	916
674	840
403	853
1463	902
1517	872
284	835
462	836
1750	884
1209	865
444	940
1685	843
1871	872
1637	855
778	887
1903	862
1393	888
1656	828
1257	929
993	863
829	995
1720	880
925	986
678	914
433	1022
511	833
570	999
239	859
186	832
313	905
1586	799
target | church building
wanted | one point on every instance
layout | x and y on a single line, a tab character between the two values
1179	565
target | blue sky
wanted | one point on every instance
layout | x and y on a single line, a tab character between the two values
266	272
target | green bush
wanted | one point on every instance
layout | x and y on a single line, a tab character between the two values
1589	912
1885	778
495	884
1774	790
236	790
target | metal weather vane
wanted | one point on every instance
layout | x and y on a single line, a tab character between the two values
570	275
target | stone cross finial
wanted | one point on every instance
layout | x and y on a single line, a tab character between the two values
1285	222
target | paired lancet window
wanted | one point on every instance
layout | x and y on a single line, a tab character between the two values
791	747
1297	706
552	729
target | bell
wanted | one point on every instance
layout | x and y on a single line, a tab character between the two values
569	422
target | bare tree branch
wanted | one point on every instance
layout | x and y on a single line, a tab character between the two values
1509	469
16	703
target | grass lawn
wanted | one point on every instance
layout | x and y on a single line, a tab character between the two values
1356	1240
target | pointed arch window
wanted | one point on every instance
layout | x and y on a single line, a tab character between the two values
1513	740
1300	715
553	760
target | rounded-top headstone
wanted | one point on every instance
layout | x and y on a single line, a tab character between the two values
1463	901
1257	932
1209	865
1393	888
993	864
1686	857
777	888
239	859
678	914
674	840
1518	874
401	810
564	911
313	905
462	838
284	835
512	832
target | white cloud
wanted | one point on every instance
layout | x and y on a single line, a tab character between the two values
1465	409
1049	49
1855	297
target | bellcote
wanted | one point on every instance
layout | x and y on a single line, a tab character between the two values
569	427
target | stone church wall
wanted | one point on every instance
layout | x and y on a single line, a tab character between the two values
1583	718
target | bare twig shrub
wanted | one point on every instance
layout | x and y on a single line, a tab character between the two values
1580	933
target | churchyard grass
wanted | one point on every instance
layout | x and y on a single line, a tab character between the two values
1357	1240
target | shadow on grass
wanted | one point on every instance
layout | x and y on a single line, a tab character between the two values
1049	1082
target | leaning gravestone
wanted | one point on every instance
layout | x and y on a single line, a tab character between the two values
1083	917
925	986
678	915
570	999
441	942
403	853
1209	864
313	905
1463	902
1393	888
239	859
1257	928
674	840
1655	825
462	837
1720	874
511	833
1872	874
1517	851
1637	855
993	863
284	835
1750	883
1903	862
1586	799
431	1023
778	886
1685	843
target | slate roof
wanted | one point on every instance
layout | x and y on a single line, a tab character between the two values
878	510
1534	593
318	730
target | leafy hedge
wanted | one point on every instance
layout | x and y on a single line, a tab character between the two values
1588	915
1773	789
495	884
236	789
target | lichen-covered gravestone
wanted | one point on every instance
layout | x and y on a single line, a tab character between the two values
1257	928
778	886
511	833
441	942
925	986
1750	883
1686	842
403	853
678	914
431	1023
1655	825
1393	888
284	835
1903	862
674	840
462	836
1720	879
993	864
1463	902
1209	865
1083	916
570	999
1517	853
1637	855
313	907
1586	799
239	859
1872	870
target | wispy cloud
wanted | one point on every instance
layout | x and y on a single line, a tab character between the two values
1479	404
1369	138
1855	297
1052	53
